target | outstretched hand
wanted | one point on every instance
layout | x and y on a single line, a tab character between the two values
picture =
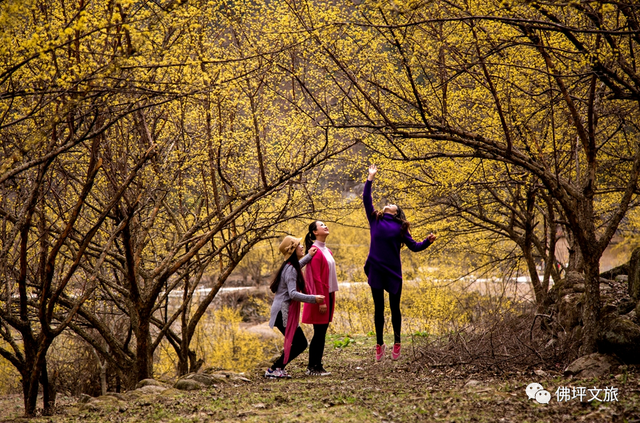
431	237
373	169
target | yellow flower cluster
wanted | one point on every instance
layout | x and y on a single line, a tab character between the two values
426	308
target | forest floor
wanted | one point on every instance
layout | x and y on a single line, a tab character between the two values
360	390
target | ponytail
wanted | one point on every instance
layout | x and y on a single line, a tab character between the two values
310	237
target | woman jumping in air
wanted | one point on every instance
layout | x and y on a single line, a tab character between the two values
289	287
321	279
389	230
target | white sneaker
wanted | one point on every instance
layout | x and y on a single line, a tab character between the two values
277	374
321	370
318	371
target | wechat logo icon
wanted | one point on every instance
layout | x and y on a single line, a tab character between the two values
537	392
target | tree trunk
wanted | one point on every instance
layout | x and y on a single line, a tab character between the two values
48	391
24	375
33	376
194	363
538	290
591	310
30	397
576	260
144	361
103	378
183	356
30	391
103	371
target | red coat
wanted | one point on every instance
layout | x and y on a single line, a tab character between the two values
317	283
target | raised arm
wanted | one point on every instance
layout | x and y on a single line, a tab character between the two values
418	246
289	275
366	194
306	259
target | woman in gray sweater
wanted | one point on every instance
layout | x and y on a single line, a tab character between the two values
289	287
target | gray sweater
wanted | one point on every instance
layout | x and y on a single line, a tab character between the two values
287	291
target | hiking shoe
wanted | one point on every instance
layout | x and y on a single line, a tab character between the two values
312	372
380	351
270	373
277	374
321	371
284	374
395	354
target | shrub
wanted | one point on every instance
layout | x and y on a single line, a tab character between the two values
223	344
426	307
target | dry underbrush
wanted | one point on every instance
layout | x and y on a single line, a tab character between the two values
500	341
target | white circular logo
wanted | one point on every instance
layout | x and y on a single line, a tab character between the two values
532	389
543	397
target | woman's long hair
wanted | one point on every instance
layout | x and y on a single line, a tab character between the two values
293	261
398	217
310	237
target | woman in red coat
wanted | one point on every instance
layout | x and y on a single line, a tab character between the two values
321	279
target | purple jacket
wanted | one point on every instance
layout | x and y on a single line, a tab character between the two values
383	266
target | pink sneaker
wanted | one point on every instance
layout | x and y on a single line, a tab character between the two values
395	354
380	351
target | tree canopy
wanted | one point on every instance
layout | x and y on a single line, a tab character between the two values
146	143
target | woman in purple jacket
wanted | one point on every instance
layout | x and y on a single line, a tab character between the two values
389	230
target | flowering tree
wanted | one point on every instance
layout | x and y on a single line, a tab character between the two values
137	154
550	89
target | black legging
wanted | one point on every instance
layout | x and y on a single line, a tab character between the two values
298	345
378	319
316	347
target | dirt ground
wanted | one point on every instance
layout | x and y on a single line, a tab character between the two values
360	390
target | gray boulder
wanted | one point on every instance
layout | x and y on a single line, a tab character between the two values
632	315
573	278
621	336
622	278
152	389
150	382
117	395
579	287
101	403
208	377
84	398
592	365
634	274
623	269
189	385
205	379
227	375
625	305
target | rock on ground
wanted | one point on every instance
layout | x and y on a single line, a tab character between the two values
592	365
